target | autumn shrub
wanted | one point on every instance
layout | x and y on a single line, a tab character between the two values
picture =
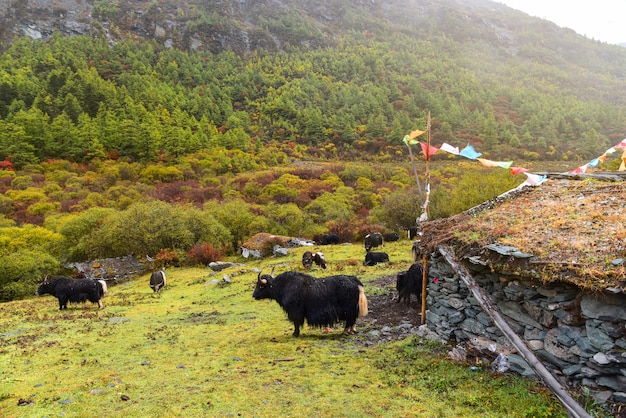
344	230
203	253
168	257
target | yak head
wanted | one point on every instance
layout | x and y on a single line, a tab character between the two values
43	286
263	286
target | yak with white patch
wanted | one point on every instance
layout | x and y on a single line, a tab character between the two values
322	302
72	290
157	280
309	258
375	239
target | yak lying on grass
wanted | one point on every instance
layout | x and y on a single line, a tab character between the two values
374	257
72	290
322	302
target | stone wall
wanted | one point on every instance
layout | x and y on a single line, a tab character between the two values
579	336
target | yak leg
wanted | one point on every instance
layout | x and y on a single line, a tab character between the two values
100	304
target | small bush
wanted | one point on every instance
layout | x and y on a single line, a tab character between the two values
168	257
204	254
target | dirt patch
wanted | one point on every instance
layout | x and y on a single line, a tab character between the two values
388	320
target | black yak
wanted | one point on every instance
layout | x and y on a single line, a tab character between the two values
372	258
157	280
322	302
410	283
72	290
375	239
391	237
308	258
329	239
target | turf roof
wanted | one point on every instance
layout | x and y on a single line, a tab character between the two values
572	231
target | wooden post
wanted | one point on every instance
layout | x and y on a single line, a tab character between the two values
572	407
417	179
424	282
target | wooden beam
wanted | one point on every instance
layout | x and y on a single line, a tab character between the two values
572	407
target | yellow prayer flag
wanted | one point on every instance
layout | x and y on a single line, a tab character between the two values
414	134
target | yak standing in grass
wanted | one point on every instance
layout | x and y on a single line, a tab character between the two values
72	290
157	280
322	302
410	283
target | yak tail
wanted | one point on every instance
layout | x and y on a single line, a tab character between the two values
362	302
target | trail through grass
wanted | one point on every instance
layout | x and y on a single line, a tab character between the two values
200	349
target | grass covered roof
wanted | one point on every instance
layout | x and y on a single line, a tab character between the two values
563	230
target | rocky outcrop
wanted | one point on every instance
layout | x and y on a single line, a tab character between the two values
241	26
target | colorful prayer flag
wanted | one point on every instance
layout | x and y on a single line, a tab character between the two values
517	170
428	150
489	163
621	145
414	134
535	179
579	170
470	152
449	148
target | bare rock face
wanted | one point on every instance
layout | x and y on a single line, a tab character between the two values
210	26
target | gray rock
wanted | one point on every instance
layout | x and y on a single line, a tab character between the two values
519	365
513	311
619	397
603	307
599	339
617	383
552	346
221	265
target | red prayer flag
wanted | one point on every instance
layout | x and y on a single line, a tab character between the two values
517	170
428	150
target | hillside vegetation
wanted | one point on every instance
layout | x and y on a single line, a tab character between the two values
514	86
117	142
200	349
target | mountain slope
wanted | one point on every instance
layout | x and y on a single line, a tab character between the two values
353	74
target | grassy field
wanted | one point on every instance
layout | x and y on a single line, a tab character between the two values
199	349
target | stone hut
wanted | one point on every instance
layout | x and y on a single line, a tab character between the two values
551	261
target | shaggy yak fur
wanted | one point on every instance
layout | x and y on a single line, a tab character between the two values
375	239
410	283
330	239
322	302
72	290
374	257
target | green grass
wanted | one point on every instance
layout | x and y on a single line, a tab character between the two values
198	350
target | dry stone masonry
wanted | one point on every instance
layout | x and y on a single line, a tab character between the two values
579	335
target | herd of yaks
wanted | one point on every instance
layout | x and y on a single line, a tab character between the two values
321	302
